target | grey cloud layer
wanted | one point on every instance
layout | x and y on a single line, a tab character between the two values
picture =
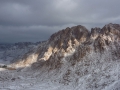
35	20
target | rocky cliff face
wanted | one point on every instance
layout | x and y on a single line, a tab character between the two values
75	42
78	41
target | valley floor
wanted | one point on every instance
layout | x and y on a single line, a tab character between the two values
22	80
26	81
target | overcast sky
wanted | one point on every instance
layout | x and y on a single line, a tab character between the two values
36	20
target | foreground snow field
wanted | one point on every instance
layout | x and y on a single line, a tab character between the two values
104	75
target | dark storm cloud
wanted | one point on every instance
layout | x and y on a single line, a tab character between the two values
35	20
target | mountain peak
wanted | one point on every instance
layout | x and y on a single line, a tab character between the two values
76	41
76	32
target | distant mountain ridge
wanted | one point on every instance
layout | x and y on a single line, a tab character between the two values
11	52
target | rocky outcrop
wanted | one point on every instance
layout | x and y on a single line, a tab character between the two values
75	42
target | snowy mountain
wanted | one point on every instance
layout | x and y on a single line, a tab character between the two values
72	59
11	52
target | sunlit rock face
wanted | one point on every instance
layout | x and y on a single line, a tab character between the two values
78	41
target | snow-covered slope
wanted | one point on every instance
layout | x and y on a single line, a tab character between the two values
11	52
72	59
